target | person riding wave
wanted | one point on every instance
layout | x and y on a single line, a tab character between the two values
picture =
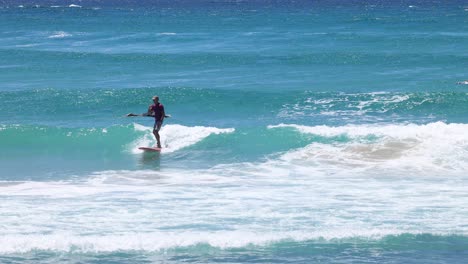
157	109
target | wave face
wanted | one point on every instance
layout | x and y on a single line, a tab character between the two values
429	149
300	132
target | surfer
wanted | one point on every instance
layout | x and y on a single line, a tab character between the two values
157	110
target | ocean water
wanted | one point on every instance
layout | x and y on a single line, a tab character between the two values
300	132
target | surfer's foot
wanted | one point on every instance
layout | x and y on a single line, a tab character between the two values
159	146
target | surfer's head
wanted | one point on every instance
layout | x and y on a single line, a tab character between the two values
155	99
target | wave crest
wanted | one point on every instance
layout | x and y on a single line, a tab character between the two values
436	145
176	137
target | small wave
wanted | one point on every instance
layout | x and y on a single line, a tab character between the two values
346	104
74	6
59	34
176	137
27	45
157	241
10	66
376	107
435	146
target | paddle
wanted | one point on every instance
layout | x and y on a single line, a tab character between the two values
144	114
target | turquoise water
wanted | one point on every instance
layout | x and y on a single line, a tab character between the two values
300	132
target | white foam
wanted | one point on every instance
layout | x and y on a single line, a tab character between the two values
74	6
338	190
436	129
175	137
232	205
436	146
157	241
350	105
60	34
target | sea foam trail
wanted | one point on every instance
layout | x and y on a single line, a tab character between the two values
229	206
111	215
175	137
